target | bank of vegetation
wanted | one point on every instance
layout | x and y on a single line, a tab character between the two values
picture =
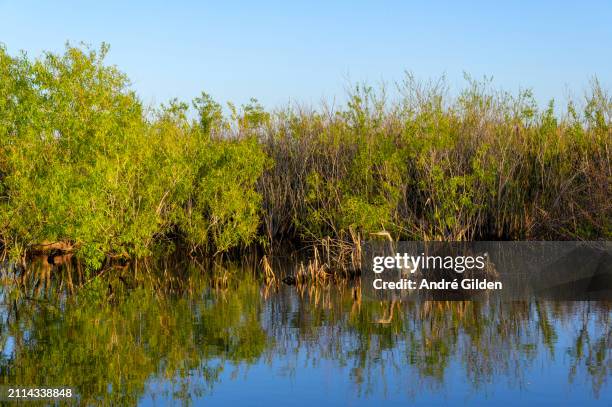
86	168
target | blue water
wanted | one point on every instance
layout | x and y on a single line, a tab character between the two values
312	373
251	345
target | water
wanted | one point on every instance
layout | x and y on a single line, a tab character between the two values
155	338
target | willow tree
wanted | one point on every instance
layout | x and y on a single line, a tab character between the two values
83	168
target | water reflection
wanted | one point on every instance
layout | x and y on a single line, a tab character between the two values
151	336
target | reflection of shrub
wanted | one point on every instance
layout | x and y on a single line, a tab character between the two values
110	350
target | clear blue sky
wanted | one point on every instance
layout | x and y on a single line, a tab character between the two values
304	51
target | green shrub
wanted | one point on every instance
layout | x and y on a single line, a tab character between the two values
85	167
82	165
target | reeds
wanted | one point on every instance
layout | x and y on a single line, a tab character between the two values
112	180
483	165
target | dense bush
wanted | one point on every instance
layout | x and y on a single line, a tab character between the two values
483	165
85	167
82	165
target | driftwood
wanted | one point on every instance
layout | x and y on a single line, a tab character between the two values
46	247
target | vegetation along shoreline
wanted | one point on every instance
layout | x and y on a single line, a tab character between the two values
87	169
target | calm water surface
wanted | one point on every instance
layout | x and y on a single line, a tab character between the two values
159	338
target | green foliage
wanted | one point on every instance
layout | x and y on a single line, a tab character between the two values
483	165
81	164
223	205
